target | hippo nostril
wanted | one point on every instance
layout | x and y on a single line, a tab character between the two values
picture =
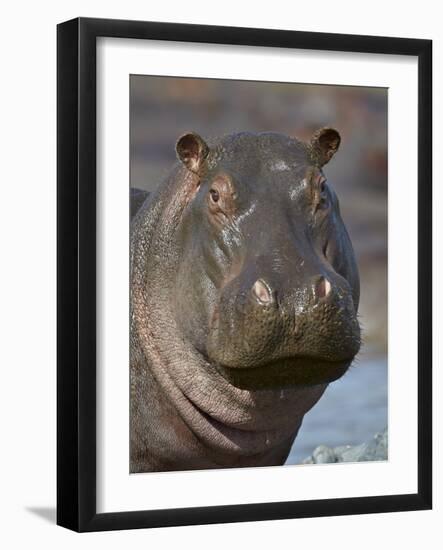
322	288
261	292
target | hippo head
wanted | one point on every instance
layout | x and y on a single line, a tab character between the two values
268	288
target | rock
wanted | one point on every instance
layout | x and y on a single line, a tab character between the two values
323	455
374	450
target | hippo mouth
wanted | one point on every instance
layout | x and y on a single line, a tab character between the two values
286	372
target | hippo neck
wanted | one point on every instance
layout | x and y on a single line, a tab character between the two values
224	418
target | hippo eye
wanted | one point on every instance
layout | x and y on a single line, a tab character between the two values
214	195
220	199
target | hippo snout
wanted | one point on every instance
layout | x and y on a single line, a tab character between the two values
267	324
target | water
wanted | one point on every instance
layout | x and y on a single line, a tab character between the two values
350	412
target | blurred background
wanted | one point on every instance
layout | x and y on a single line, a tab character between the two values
355	407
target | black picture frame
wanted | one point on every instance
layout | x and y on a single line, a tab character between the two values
76	280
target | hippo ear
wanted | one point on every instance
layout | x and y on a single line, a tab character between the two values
324	144
192	151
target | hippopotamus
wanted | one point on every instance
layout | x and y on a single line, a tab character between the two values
244	299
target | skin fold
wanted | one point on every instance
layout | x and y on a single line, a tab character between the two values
244	298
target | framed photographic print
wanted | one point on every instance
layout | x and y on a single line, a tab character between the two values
244	274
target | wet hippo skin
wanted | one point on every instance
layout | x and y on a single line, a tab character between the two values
244	297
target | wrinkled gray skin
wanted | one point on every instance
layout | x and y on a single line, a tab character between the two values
244	297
